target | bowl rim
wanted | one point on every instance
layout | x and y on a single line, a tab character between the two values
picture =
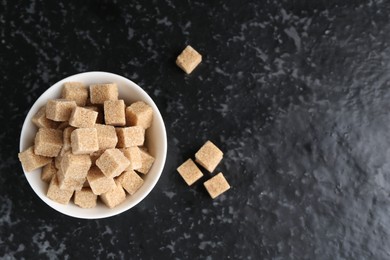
109	212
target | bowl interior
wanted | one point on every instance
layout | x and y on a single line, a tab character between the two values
156	136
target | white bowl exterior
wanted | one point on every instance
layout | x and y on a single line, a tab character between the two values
156	136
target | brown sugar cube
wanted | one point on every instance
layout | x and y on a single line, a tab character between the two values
112	162
188	59
75	91
216	185
85	198
130	136
30	161
209	156
99	182
69	183
66	142
147	162
95	155
40	120
102	92
56	194
134	156
84	141
190	172
59	109
139	114
114	112
106	136
82	117
130	181
75	166
48	142
48	171
114	197
99	110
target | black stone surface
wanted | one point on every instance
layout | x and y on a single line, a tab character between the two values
296	93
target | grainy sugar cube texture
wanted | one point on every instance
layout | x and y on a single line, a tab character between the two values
115	196
112	162
84	141
59	109
147	162
130	136
190	172
69	183
75	166
99	110
99	182
66	146
76	91
48	142
209	156
139	114
55	193
216	185
48	171
95	155
134	156
82	117
107	137
130	181
31	161
114	112
85	198
40	119
102	92
189	59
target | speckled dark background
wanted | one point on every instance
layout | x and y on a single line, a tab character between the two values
296	93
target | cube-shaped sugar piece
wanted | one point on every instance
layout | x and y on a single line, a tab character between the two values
66	142
147	162
102	92
85	198
48	142
216	185
114	197
68	183
106	136
114	112
48	171
188	59
139	114
130	136
56	194
95	155
40	119
84	141
112	162
31	161
134	156
190	172
75	166
209	156
99	110
82	117
130	181
75	91
59	109
99	182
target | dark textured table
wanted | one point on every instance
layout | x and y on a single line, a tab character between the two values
296	93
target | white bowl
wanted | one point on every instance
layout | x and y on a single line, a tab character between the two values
155	135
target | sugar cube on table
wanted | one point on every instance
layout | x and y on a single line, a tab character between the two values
40	119
84	141
188	59
76	91
85	198
139	114
102	92
209	156
216	185
83	117
48	142
130	136
56	194
114	112
130	181
59	109
112	162
114	197
31	161
190	172
99	182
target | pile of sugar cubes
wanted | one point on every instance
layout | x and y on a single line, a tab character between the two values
208	156
90	145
